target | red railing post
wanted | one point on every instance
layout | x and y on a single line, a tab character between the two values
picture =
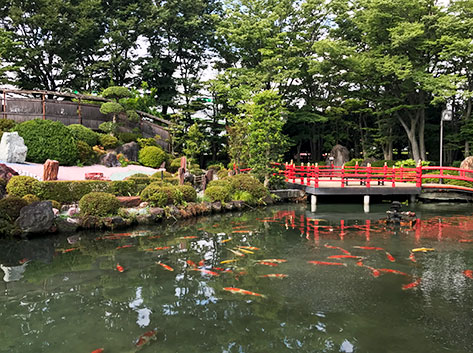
394	177
368	175
385	172
419	174
302	173
286	173
342	175
316	176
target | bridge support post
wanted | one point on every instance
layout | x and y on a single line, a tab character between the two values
366	203
412	199
313	203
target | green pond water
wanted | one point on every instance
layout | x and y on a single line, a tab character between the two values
71	297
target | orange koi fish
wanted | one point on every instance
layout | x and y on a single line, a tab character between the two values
207	272
162	248
69	250
326	263
246	251
124	246
191	263
249	247
390	257
219	269
242	291
279	261
201	263
119	234
468	273
236	252
120	268
344	257
374	271
22	261
466	240
388	270
411	285
240	231
145	338
188	237
267	263
225	240
100	350
274	275
412	257
228	261
369	247
338	248
169	268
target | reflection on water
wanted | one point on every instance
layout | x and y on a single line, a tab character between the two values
280	279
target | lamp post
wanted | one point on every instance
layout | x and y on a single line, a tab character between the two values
447	115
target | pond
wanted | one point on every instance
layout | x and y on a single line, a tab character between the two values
278	279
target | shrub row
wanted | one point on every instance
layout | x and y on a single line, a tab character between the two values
242	187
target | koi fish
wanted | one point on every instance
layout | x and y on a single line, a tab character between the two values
191	263
100	350
338	248
120	268
169	268
326	263
466	240
162	248
374	271
343	257
219	269
225	240
412	257
249	247
69	250
275	275
390	257
241	231
411	285
468	273
246	251
236	252
388	270
201	263
369	247
242	291
145	338
207	272
279	261
124	246
155	237
188	237
267	263
422	249
228	261
119	234
22	261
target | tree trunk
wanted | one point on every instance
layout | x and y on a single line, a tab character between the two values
411	134
421	134
466	117
298	155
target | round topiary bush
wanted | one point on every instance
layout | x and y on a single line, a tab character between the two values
83	133
188	193
98	204
85	152
225	183
222	173
7	124
20	185
175	165
29	198
217	193
108	141
151	156
126	137
48	139
11	206
155	195
245	182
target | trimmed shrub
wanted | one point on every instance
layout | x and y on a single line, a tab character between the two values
139	175
29	198
352	162
83	133
222	173
116	92
217	193
98	204
111	108
188	193
225	183
215	167
70	191
123	188
108	141
10	207
155	195
7	124
151	156
245	182
20	185
48	139
85	152
244	196
55	204
126	137
147	142
175	165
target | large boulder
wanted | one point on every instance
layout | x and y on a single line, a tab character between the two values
13	148
130	151
467	163
340	155
6	172
36	218
110	160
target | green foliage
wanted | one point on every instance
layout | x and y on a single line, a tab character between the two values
409	163
215	167
29	198
98	204
11	206
116	92
7	124
85	152
277	182
352	162
146	142
111	108
245	182
123	187
161	195
244	196
194	142
109	127
108	141
20	185
47	139
55	204
225	183
175	165
83	133
222	173
218	193
138	175
151	156
188	193
126	137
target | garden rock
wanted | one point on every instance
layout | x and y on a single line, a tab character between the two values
156	212
6	172
145	219
340	155
13	148
72	211
129	201
65	226
36	218
115	222
467	163
110	160
217	206
130	151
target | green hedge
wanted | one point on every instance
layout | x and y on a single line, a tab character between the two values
83	133
152	156
158	194
98	204
20	185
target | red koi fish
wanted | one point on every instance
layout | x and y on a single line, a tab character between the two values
162	248
388	270
145	338
390	257
274	275
191	263
343	257
374	271
412	257
124	246
243	291
468	273
466	240
22	261
369	247
169	268
207	272
412	284
188	237
100	350
219	269
201	263
267	263
325	263
240	231
337	248
120	268
69	250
